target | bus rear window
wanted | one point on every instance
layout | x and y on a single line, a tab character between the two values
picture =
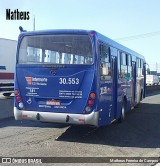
56	49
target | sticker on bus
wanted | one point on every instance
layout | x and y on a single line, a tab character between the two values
53	102
36	81
70	94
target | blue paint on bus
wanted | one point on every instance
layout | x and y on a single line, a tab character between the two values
76	77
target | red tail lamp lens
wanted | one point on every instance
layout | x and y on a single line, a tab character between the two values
18	98
90	102
16	92
92	95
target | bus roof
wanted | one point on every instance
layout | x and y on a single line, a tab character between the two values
78	31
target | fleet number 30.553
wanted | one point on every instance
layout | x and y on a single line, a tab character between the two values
69	81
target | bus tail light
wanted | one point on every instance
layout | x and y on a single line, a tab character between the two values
90	102
18	98
92	95
16	92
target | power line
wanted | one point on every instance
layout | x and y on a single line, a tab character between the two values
138	36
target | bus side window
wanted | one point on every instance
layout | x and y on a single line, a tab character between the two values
139	67
123	65
105	61
142	67
129	68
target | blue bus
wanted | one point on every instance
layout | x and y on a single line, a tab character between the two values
76	77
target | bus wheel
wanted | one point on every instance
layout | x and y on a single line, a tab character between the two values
123	112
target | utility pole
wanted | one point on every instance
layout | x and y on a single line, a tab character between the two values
156	67
34	23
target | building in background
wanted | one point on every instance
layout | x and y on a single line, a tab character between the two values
7	65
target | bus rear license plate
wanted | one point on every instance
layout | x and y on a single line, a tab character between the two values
53	102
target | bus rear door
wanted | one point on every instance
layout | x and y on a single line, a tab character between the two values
114	85
106	85
133	84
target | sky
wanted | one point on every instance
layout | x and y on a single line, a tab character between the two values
115	19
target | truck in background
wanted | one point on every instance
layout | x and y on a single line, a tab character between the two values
7	65
152	80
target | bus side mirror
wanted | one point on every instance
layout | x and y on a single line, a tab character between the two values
148	71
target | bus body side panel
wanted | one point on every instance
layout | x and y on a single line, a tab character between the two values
124	91
105	102
105	99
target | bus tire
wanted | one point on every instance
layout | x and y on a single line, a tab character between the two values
123	112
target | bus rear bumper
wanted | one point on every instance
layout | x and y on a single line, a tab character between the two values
88	119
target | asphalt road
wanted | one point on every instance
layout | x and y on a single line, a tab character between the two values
6	107
137	136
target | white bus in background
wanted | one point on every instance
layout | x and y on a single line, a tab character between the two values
152	80
7	65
